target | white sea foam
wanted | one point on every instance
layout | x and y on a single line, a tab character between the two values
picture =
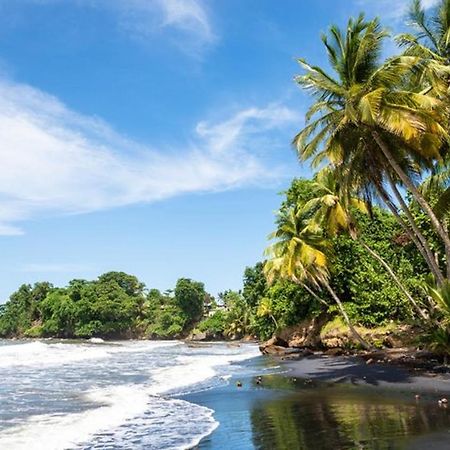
41	354
119	405
192	370
123	413
54	431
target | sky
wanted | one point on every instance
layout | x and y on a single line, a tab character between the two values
152	136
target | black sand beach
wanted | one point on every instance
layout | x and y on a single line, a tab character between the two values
335	403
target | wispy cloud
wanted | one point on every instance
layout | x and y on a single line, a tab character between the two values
186	23
187	15
55	161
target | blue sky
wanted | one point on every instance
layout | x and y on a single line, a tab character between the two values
151	136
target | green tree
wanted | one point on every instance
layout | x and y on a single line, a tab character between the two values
331	209
266	309
255	284
430	34
128	283
367	122
23	308
59	314
190	297
298	255
239	315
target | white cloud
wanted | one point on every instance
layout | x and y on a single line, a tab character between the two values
54	161
188	15
143	18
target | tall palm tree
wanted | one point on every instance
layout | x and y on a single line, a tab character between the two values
365	110
298	255
430	33
430	40
371	184
331	209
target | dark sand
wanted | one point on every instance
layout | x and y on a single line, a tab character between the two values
354	370
330	403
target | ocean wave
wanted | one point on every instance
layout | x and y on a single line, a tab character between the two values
156	423
40	353
191	371
121	416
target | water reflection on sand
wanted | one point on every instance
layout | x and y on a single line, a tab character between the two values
344	417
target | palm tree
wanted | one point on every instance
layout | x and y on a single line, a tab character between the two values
439	335
298	255
365	117
265	309
430	36
430	40
238	320
331	209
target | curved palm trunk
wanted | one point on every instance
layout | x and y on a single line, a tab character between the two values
274	321
396	280
417	196
308	289
424	250
430	257
355	334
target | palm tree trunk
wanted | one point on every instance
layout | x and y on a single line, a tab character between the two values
396	280
417	196
274	321
355	334
308	289
429	257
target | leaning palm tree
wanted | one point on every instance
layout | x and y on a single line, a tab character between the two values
298	255
364	110
265	309
331	208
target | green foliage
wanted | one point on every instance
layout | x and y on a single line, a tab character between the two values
255	284
368	293
22	309
370	296
113	306
168	323
215	324
190	296
437	339
238	321
437	336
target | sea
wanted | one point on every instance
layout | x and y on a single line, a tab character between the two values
112	395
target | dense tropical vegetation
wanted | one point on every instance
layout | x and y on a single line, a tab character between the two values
365	239
116	305
377	132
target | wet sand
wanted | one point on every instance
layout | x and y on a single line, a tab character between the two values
356	371
330	403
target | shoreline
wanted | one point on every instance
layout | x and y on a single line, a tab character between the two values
312	389
353	369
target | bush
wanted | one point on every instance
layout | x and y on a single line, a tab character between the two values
214	324
35	331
